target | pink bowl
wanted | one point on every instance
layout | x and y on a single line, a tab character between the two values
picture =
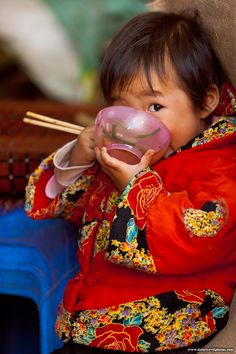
128	133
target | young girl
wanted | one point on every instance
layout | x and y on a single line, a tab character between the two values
157	245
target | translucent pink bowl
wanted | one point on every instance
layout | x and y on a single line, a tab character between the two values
128	133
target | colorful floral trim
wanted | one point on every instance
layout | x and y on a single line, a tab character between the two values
130	256
222	127
85	234
128	245
102	237
63	324
156	323
45	165
112	202
205	223
98	222
140	194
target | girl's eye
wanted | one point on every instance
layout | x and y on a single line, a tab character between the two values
155	107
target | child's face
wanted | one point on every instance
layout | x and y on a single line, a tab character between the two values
168	102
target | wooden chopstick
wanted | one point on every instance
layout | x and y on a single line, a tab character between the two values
52	123
51	126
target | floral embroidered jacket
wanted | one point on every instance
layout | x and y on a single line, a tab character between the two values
157	262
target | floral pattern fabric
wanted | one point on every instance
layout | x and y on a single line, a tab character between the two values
205	223
162	322
222	127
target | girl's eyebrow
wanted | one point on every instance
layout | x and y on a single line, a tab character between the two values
150	92
145	92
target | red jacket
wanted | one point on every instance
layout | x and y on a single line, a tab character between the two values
167	244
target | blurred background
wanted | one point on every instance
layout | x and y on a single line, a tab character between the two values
56	45
50	53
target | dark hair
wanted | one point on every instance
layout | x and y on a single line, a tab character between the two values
147	40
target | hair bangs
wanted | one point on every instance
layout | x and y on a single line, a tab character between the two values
117	75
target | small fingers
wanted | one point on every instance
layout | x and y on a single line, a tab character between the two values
105	159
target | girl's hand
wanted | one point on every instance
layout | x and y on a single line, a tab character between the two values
83	152
120	172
